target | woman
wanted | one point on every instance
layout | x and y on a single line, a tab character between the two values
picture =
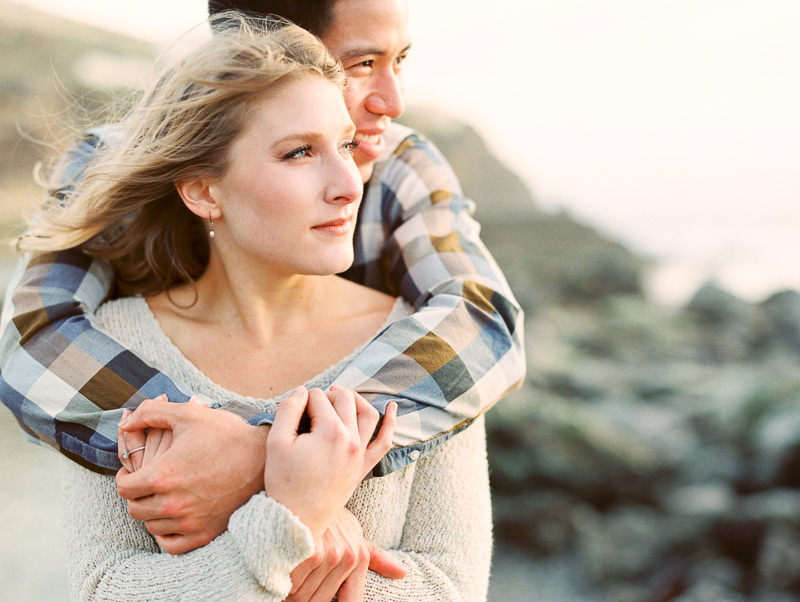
226	212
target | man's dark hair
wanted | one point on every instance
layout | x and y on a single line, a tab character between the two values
312	15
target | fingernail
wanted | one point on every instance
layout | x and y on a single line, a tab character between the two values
161	397
125	415
299	390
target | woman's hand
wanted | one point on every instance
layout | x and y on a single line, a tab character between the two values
140	447
368	418
339	564
315	473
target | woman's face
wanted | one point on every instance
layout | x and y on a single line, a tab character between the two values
292	191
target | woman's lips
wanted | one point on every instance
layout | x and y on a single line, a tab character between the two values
337	226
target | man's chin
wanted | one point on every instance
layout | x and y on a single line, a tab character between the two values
365	169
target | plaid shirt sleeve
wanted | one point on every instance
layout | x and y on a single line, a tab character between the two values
462	350
65	381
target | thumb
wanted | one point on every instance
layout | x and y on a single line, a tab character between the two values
380	562
153	413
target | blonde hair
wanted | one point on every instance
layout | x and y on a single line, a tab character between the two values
127	210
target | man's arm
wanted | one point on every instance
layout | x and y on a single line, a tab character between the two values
463	348
64	380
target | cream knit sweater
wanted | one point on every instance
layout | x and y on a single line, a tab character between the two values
433	516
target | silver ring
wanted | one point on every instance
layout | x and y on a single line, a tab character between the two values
127	454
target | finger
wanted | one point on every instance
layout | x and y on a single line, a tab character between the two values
382	443
321	411
180	544
165	444
134	441
368	418
382	563
343	401
137	485
287	417
302	571
148	508
331	583
323	583
160	527
121	474
153	413
353	588
154	436
321	564
122	450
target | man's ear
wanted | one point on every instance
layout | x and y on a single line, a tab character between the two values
198	196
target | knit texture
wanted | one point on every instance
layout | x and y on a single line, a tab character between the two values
433	516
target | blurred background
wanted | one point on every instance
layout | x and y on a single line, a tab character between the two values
636	171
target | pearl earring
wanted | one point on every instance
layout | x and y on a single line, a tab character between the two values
211	225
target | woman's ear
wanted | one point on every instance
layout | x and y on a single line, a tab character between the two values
198	196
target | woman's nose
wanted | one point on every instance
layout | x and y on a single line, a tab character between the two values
346	185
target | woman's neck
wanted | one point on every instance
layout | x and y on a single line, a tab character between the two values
261	335
255	301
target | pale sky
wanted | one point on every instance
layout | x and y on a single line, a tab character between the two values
672	125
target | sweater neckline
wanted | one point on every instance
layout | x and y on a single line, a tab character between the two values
223	396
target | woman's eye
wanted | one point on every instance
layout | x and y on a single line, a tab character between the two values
350	146
298	153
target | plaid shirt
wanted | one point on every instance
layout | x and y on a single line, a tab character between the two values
461	351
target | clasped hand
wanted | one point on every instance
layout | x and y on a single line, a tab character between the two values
199	465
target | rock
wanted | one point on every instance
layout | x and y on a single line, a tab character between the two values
729	328
779	562
709	501
739	539
537	521
625	544
774	506
783	312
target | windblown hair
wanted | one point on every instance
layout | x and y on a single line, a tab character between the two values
128	210
312	15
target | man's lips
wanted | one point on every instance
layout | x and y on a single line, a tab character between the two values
370	146
367	138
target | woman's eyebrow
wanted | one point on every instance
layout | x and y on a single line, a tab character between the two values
311	135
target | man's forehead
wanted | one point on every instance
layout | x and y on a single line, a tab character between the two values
362	27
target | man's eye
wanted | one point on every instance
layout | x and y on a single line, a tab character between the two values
298	153
364	64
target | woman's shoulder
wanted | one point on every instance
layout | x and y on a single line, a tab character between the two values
122	315
368	306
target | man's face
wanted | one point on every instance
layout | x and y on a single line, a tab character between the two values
371	39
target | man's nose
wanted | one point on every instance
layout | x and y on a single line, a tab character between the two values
387	97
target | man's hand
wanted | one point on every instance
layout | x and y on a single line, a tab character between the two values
339	564
213	465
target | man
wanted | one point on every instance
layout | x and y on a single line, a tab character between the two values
67	382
